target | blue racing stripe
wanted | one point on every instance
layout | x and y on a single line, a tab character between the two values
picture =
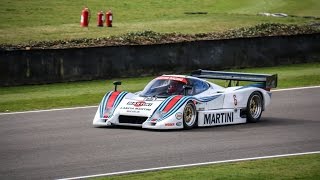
103	102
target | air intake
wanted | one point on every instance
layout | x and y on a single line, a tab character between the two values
132	119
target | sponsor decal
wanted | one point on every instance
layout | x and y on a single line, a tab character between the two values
179	123
235	100
150	98
135	109
178	115
139	103
218	118
169	124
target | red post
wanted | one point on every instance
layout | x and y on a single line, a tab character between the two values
84	21
100	19
109	18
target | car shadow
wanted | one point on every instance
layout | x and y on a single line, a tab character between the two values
264	122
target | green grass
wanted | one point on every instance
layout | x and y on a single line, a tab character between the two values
72	94
295	167
44	20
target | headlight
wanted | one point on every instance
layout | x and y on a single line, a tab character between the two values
107	113
158	115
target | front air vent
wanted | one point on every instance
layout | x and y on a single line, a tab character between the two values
132	119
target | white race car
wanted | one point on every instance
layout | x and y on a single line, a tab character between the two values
180	101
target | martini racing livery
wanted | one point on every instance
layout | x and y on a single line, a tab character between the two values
181	101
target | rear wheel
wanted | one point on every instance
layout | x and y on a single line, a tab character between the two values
189	116
254	107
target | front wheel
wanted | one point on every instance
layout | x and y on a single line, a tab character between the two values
189	116
254	107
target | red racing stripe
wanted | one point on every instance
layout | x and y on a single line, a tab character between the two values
112	98
172	102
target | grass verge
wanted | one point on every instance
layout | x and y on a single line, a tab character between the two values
47	20
294	167
22	98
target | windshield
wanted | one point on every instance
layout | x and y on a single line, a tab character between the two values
163	87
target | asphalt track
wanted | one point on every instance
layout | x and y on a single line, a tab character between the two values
61	144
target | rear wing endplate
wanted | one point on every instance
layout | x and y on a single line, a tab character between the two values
269	80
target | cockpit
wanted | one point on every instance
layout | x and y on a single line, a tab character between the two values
165	86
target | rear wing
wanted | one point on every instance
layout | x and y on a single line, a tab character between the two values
268	80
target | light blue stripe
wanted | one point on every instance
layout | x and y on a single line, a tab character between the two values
210	97
207	99
103	103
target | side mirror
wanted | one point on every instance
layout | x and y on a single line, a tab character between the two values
186	88
116	83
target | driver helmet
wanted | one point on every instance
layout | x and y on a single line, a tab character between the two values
173	87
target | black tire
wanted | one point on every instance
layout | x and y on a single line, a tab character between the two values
254	107
189	116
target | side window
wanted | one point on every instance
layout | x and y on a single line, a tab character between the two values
198	86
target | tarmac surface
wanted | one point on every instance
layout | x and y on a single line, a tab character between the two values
62	144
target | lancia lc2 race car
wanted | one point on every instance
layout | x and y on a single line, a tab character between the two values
182	101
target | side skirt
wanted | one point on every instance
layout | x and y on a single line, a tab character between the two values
220	117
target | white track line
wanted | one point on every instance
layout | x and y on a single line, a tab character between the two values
49	110
188	165
298	88
84	107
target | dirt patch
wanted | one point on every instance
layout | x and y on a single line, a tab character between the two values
150	37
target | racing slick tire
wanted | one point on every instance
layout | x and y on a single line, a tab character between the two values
189	116
254	107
